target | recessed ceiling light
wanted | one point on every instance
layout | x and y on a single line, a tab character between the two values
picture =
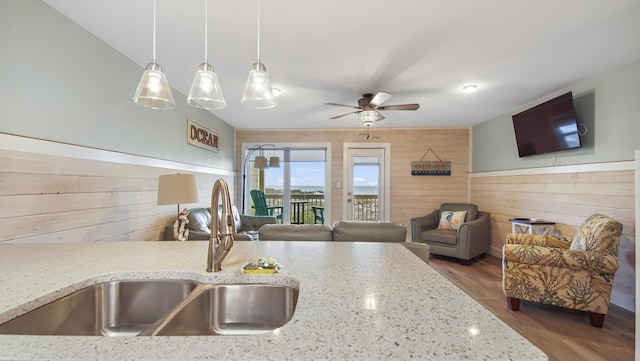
468	89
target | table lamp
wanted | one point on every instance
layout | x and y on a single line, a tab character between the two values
178	188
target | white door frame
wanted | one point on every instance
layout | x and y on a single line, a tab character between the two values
346	163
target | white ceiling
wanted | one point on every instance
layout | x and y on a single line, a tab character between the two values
421	51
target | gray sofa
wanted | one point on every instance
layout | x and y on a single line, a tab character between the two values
295	232
342	231
345	231
200	224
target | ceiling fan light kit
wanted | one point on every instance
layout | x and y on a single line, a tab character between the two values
368	116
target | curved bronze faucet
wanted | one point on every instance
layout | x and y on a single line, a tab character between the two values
222	230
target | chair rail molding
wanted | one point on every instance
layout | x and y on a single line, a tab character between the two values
20	143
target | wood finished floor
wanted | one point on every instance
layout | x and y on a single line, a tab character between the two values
560	333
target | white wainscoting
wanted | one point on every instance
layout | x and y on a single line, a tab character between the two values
54	192
566	195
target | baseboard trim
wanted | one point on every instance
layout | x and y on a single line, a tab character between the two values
625	301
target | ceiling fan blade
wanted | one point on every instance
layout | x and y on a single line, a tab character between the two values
379	117
344	115
380	98
342	105
400	107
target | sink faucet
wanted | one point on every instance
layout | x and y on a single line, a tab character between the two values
223	229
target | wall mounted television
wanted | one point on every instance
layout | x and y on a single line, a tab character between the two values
549	127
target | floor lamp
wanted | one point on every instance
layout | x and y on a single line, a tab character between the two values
260	162
178	188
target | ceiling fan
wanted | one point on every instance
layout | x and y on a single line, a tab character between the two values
369	106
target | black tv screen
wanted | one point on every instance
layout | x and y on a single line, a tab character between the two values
548	127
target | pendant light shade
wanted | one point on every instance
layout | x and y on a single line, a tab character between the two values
153	90
205	90
258	93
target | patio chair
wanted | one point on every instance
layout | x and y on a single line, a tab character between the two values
318	214
261	207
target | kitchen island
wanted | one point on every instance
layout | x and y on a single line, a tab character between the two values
357	301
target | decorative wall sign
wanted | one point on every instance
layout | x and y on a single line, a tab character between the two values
439	167
201	136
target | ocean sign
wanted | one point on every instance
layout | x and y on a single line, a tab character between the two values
201	136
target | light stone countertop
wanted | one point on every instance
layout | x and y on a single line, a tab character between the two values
416	313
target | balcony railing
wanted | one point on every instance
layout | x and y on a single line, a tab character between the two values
365	206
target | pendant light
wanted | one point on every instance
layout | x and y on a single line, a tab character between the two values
153	90
205	90
257	92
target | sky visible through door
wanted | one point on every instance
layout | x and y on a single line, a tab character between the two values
309	177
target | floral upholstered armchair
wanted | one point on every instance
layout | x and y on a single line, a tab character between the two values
574	274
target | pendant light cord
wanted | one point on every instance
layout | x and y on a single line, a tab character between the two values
154	31
206	32
258	31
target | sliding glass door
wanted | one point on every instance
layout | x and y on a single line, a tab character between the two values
298	185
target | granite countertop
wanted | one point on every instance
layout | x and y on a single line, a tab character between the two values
356	301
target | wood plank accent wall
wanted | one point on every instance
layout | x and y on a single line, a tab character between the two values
51	198
567	199
411	196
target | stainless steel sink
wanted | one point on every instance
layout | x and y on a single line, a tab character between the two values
238	309
161	307
117	308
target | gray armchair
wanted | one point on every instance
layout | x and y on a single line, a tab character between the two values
472	238
200	224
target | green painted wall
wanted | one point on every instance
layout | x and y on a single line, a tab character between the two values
608	105
59	82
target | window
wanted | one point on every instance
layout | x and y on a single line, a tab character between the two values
299	184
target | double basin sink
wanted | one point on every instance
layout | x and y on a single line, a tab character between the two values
161	308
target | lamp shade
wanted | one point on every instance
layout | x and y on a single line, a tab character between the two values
205	90
257	92
153	90
274	162
260	162
177	189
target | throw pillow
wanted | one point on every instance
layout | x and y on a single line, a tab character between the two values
450	220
